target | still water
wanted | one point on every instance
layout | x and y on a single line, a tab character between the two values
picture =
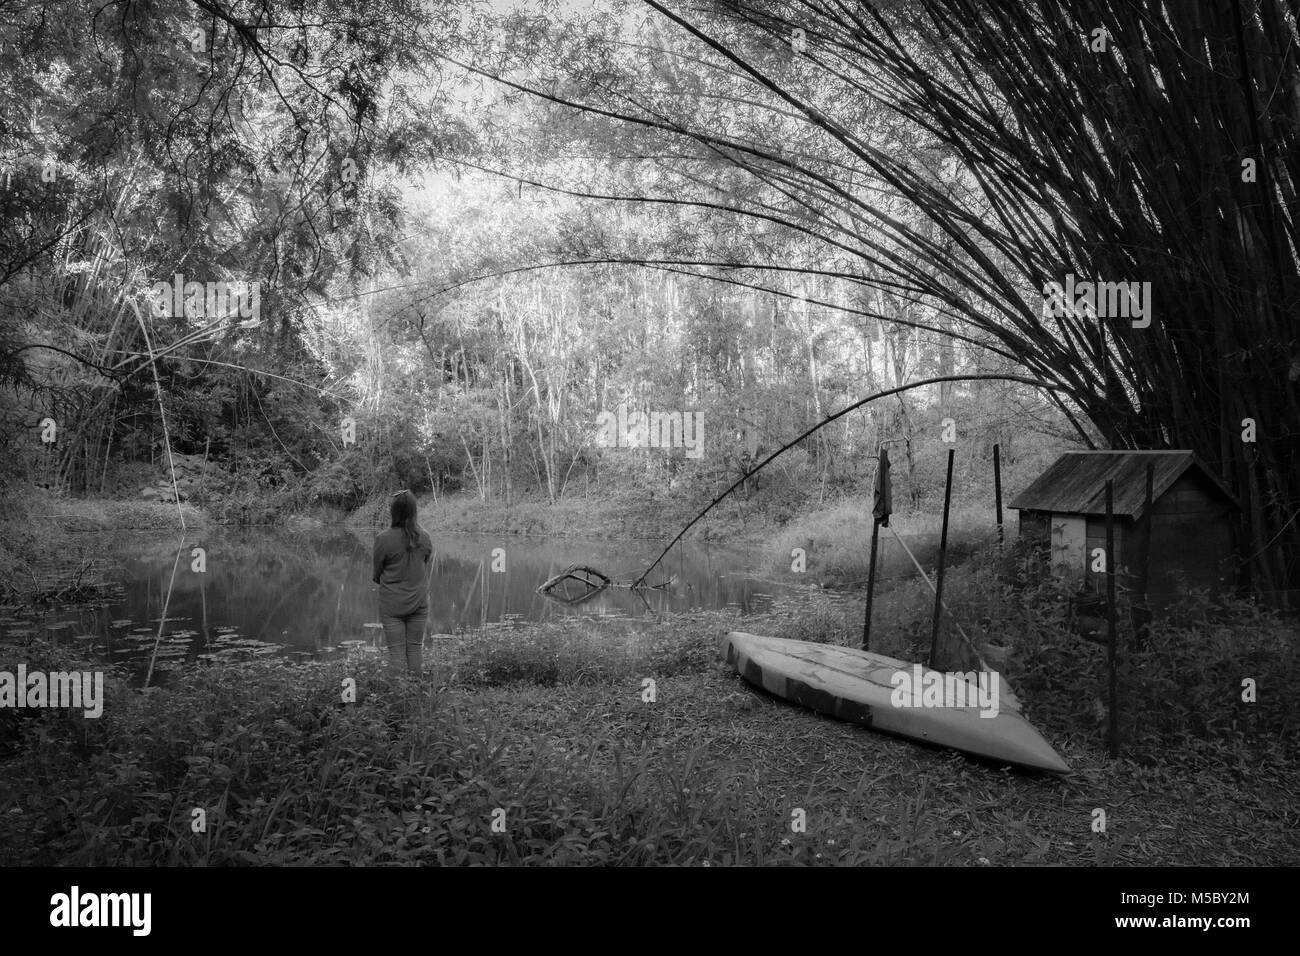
308	594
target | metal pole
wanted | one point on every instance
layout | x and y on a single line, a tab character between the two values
997	486
871	586
1112	742
943	553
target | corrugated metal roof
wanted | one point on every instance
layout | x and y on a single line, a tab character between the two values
1076	482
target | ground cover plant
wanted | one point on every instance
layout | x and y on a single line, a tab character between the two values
547	730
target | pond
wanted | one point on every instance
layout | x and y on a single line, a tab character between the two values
308	594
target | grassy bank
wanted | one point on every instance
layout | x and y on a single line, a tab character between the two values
834	537
45	552
579	517
545	729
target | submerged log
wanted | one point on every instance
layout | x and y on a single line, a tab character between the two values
581	573
591	580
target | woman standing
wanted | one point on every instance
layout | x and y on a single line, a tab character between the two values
401	561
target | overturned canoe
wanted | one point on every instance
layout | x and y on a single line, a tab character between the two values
974	716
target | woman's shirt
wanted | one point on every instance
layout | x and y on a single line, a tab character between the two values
402	575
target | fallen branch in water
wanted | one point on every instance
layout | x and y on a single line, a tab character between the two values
589	578
592	581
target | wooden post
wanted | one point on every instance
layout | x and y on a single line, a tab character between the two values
997	486
1142	607
1112	737
871	585
943	554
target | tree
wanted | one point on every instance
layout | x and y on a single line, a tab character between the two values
1132	141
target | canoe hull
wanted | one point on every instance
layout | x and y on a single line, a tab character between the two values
859	686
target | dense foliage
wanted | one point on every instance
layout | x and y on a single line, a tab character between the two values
474	229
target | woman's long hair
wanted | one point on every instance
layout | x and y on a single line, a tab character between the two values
403	511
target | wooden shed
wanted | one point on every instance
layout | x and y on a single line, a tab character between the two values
1192	519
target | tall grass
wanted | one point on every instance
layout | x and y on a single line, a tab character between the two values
836	541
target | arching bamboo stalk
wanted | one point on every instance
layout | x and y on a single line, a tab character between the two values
826	421
162	412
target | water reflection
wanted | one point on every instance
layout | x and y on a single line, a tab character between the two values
309	594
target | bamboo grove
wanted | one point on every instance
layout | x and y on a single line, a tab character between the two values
1145	141
929	165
